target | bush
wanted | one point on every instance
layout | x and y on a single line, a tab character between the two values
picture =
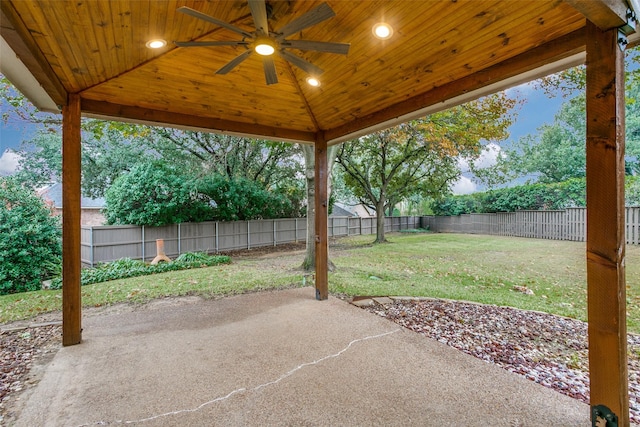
154	194
127	267
240	199
30	239
559	195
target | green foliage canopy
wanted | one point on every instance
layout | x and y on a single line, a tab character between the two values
421	156
241	199
30	239
556	195
154	193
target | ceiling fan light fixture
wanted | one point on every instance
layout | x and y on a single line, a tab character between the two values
382	31
264	46
156	44
313	81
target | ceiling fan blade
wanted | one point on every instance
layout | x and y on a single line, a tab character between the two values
341	48
211	43
303	64
313	17
234	62
269	70
211	19
259	13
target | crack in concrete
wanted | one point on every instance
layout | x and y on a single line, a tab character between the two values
241	390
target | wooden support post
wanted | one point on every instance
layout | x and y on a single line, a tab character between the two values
606	224
322	213
71	261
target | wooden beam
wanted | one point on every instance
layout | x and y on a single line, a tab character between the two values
606	285
19	39
560	48
321	204
164	118
71	261
606	14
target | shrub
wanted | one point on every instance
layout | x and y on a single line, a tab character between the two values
30	239
127	267
241	199
558	195
155	194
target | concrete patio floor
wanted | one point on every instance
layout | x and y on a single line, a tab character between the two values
277	358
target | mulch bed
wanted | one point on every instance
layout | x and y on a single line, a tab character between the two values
544	348
20	351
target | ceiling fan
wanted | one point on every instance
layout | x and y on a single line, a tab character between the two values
266	42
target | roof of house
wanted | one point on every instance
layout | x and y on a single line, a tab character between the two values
53	194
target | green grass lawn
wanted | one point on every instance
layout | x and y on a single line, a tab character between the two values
485	269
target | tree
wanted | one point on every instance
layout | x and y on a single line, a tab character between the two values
572	81
309	262
421	156
557	152
240	199
154	193
268	163
30	239
107	153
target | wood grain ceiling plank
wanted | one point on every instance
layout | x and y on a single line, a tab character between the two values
553	51
128	35
16	34
86	56
195	95
36	21
403	64
385	86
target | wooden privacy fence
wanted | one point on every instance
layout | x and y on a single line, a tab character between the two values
568	224
112	242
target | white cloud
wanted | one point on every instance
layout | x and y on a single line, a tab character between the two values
463	186
488	158
523	89
9	162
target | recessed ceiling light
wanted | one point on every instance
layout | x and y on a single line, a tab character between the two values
264	46
382	30
312	81
156	44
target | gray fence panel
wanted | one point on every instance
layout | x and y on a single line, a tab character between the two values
339	226
86	250
261	233
633	225
569	224
198	237
287	230
111	243
168	233
233	235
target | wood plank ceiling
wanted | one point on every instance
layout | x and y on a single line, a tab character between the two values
439	49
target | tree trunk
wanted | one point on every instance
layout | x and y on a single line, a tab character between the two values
380	221
309	263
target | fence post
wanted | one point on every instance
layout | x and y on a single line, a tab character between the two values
248	236
217	233
179	241
274	232
91	247
143	257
